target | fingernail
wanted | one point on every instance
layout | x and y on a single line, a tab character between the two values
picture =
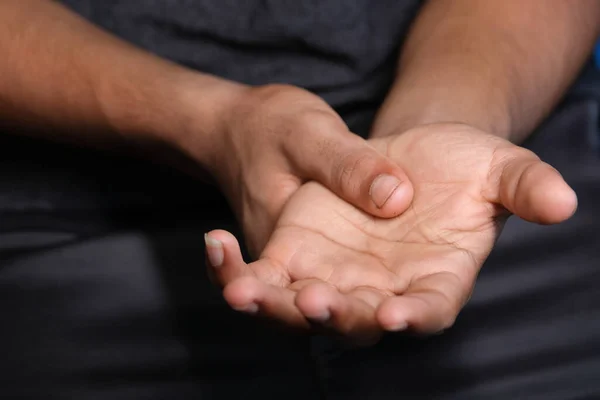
251	308
214	251
322	318
401	326
382	188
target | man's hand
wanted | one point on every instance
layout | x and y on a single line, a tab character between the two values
277	137
330	263
259	144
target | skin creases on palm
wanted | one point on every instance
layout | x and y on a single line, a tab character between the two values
322	237
443	238
330	263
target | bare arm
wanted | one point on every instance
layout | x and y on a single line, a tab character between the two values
63	78
496	65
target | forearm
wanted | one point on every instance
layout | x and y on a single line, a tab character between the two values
497	65
63	78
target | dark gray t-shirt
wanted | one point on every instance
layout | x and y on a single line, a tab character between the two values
345	51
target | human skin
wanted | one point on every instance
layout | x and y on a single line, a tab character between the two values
474	78
64	79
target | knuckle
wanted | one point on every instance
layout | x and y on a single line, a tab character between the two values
284	97
306	123
273	92
286	110
262	101
320	123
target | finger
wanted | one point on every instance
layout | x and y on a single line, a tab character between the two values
347	314
532	189
226	263
250	295
355	171
224	257
372	297
430	305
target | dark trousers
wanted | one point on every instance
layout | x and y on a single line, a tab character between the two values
124	310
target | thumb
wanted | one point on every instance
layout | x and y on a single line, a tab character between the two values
532	189
355	171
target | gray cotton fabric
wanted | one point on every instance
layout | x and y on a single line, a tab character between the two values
130	313
98	304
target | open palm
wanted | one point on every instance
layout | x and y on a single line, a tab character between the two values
330	263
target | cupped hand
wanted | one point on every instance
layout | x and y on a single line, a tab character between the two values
277	137
329	263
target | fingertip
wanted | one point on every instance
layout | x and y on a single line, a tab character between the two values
223	249
223	236
343	313
215	251
551	199
391	316
390	195
243	294
559	200
369	180
536	192
314	301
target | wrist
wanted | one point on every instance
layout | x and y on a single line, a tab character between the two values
403	111
169	110
203	105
